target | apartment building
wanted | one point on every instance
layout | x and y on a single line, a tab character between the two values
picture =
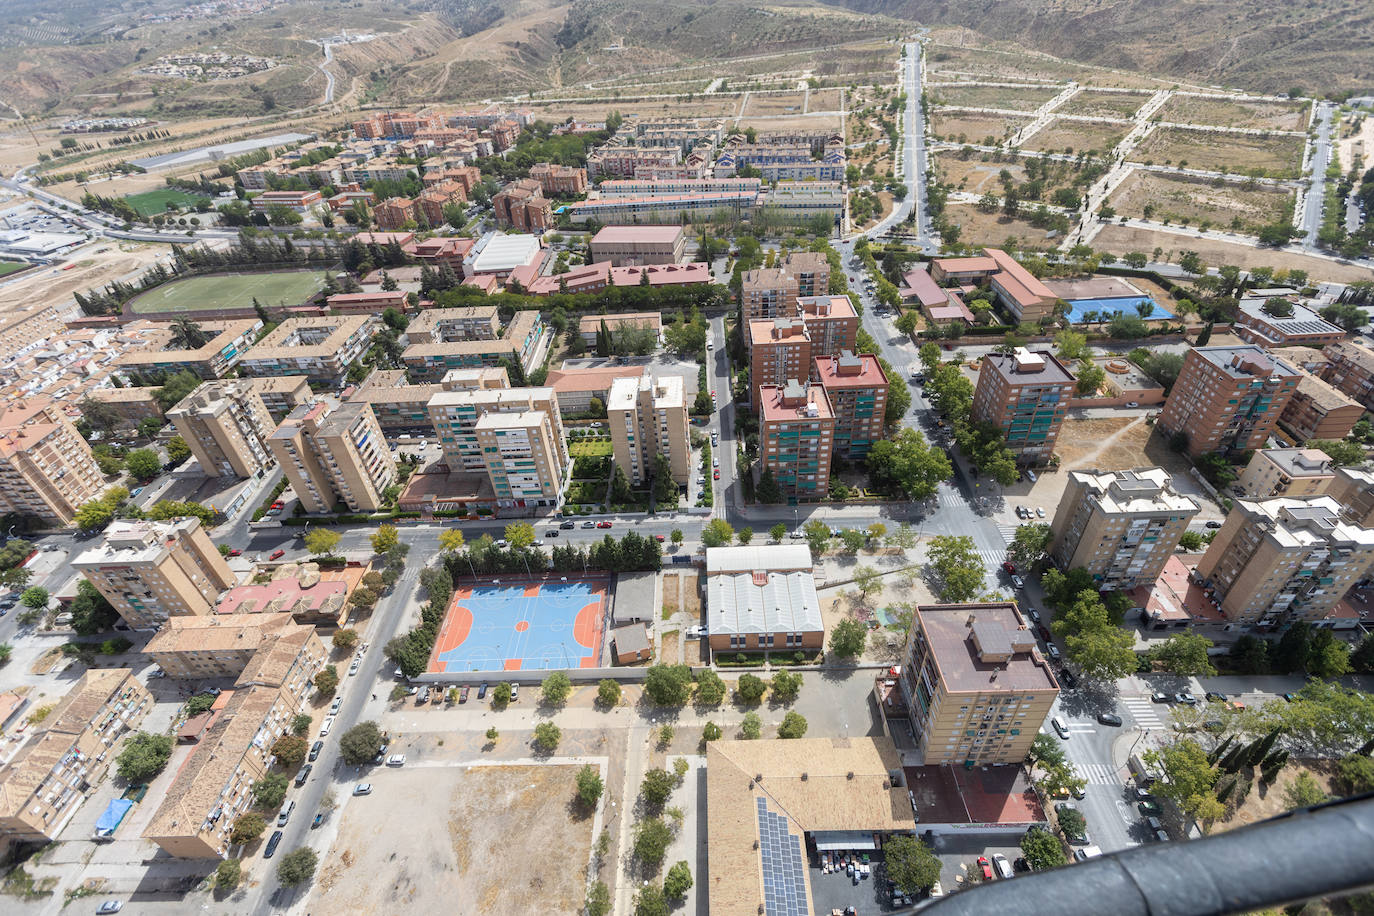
575	388
772	292
618	161
1295	472
663	208
831	323
630	245
559	179
669	187
153	571
1280	560
782	162
46	467
779	350
522	205
1318	410
512	435
396	213
856	387
1350	368
467	322
397	405
131	404
226	426
295	201
647	417
1121	526
1353	491
975	684
213	787
334	453
796	437
215	645
281	393
68	754
796	202
1026	395
371	302
428	362
588	326
1227	398
436	197
321	348
228	342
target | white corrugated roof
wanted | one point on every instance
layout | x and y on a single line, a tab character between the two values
784	603
757	559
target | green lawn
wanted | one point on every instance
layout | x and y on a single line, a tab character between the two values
591	448
149	203
218	291
11	267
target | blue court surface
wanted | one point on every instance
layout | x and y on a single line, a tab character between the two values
1106	308
535	626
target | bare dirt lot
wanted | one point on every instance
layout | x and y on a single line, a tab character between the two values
774	103
1244	208
1104	104
1027	99
1187	109
975	175
1061	136
487	839
824	100
1121	239
978	228
1238	154
969	128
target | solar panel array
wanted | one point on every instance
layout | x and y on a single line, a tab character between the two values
784	875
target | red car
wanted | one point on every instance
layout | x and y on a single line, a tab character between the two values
984	864
277	554
234	552
1008	567
659	538
279	505
603	524
715	475
1045	633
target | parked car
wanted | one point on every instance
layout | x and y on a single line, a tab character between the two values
1018	582
235	552
1008	567
482	692
568	526
797	535
353	668
603	524
315	751
1158	697
589	524
551	533
464	693
1060	726
1003	867
660	538
363	788
696	632
1045	633
285	814
1212	695
1150	808
270	849
1187	699
1053	651
1213	525
1039	511
501	543
109	906
1069	678
1034	614
1109	718
277	554
396	760
986	866
334	707
304	774
328	724
514	692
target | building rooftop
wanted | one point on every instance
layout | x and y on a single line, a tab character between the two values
1303	321
623	235
219	632
1245	361
300	590
519	419
322	336
498	253
1027	367
567	380
491	397
158	347
1298	462
983	647
793	402
762	602
135	541
919	285
1324	394
667	392
1136	491
591	323
1352	351
760	558
1176	596
967	265
850	371
1312	521
826	307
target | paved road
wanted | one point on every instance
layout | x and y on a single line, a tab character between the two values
1316	192
913	170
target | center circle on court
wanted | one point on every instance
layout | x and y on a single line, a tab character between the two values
521	626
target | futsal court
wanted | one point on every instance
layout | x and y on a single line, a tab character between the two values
524	626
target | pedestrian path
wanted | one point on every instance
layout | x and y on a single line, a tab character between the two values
992	559
1143	712
1008	532
1099	774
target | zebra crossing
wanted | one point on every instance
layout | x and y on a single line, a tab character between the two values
1099	774
1008	532
1143	711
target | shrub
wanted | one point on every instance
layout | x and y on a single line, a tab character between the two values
589	785
546	737
793	725
247	828
297	866
227	874
751	688
658	785
361	743
608	693
143	757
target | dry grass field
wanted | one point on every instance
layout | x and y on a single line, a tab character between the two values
1238	154
1104	104
976	176
1180	200
774	103
1027	99
1060	136
1186	109
978	228
1121	239
970	128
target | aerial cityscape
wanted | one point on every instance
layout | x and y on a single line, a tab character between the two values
612	457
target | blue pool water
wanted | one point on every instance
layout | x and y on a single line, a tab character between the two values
1108	306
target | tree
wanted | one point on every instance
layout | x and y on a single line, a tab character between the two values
270	791
745	535
345	639
520	534
1293	649
657	786
908	466
710	688
751	688
143	463
247	828
853	539
847	638
1191	541
750	727
1090	378
608	693
1042	849
321	541
957	567
711	732
1328	656
327	680
668	685
451	540
290	751
555	689
177	451
300	723
546	737
1072	822
227	874
786	685
793	725
1030	544
1185	654
910	864
717	533
651	901
1250	655
297	866
386	538
598	899
777	532
1303	792
1340	451
1070	345
35	597
143	757
817	537
1190	778
201	702
652	837
361	743
500	695
1103	653
589	786
1354	775
678	881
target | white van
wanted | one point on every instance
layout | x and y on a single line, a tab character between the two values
1060	726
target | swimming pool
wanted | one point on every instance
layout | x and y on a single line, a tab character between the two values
1108	307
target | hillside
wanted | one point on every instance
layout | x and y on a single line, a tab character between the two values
1321	46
